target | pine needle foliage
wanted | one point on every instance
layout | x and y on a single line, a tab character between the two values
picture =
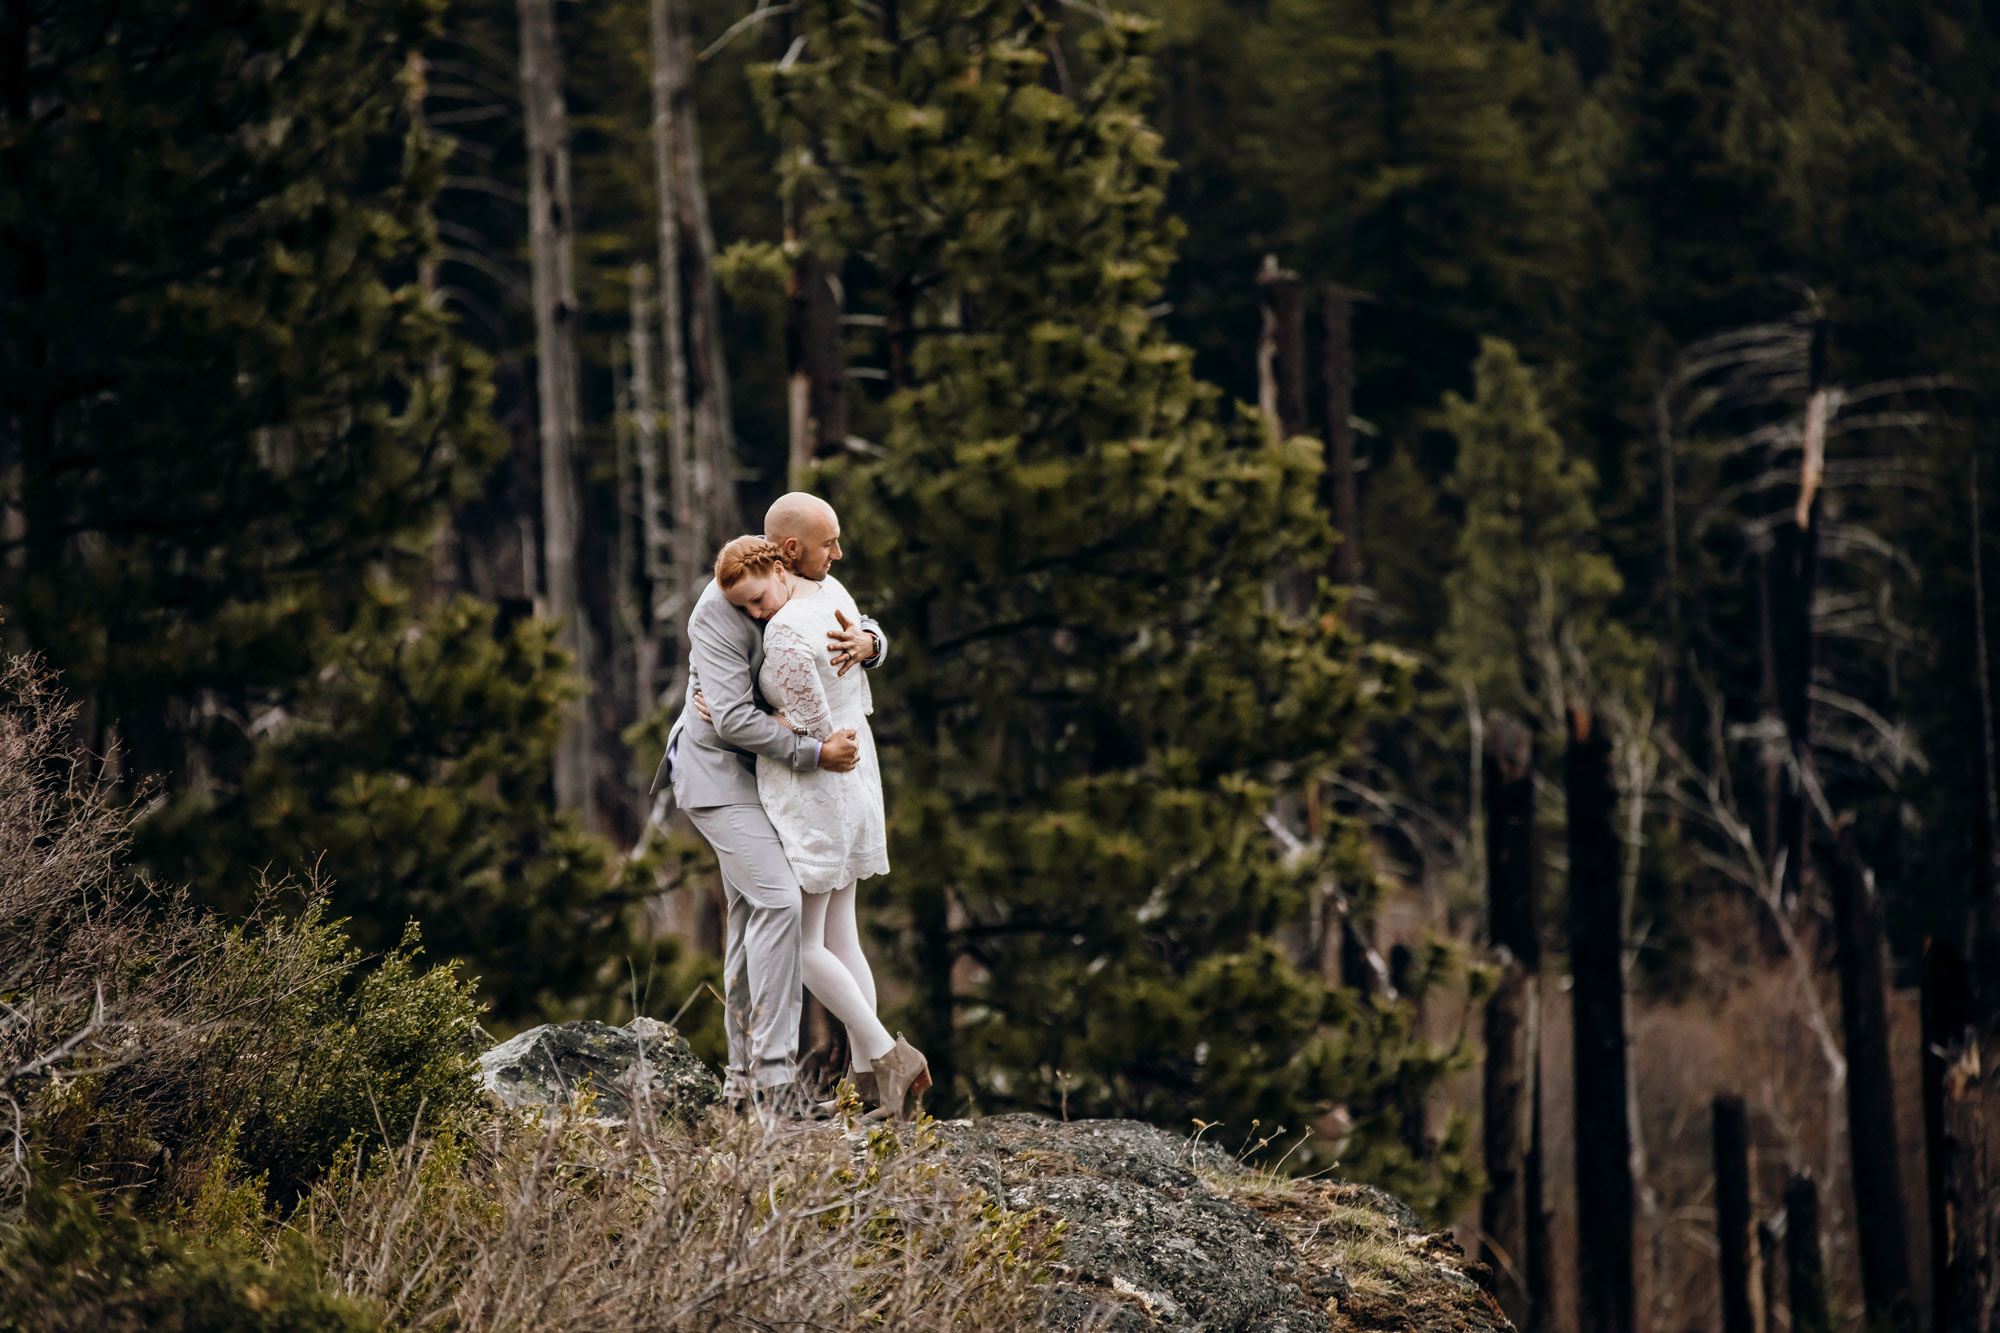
1098	691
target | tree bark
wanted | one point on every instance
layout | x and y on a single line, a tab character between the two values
1511	1216
1281	354
714	436
1794	570
1805	1287
1871	1104
552	255
1989	881
644	563
1970	1124
1604	1192
812	347
1732	1213
1958	1150
680	563
1338	482
1770	1275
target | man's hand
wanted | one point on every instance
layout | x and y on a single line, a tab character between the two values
840	752
849	646
701	706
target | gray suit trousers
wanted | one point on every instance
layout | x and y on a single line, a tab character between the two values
762	993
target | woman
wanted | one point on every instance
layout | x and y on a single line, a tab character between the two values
832	825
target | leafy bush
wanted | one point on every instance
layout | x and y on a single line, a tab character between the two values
148	1046
65	1267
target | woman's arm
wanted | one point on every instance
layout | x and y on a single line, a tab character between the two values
791	682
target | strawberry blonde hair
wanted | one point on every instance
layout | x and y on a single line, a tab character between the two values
745	557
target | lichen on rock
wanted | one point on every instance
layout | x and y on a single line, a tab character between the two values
644	1063
1165	1233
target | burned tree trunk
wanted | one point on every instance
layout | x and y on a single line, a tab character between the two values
1604	1188
1732	1213
1962	1151
1338	492
1805	1286
1515	1232
1970	1116
552	256
1281	350
1871	1102
1988	887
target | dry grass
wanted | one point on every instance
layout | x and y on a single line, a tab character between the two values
570	1226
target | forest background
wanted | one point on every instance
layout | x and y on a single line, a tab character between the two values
1288	444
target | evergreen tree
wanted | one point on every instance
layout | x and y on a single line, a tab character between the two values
1095	696
1530	598
231	419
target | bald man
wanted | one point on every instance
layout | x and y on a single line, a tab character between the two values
711	761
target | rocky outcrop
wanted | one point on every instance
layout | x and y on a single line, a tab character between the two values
644	1063
1164	1234
1161	1234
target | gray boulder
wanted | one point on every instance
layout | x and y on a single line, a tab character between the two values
1163	1234
645	1062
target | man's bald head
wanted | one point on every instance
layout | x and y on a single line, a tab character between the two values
806	529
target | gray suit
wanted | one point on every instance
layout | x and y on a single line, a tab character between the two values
713	768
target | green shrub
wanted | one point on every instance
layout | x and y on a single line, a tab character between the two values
63	1267
256	1052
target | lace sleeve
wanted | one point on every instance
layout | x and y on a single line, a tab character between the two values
791	681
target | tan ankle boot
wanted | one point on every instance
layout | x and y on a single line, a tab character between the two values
902	1076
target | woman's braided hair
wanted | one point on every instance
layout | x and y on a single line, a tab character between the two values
744	557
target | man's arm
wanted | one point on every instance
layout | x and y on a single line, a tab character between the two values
881	643
724	673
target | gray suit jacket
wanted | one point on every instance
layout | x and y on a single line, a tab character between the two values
716	763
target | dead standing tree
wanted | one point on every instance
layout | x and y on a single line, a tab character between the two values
1961	1149
1338	485
1732	1213
1605	1194
714	452
1281	353
552	254
1511	1217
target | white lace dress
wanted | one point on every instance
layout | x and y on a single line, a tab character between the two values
831	824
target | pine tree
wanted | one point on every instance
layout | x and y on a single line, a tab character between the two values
224	399
1094	696
231	419
1530	599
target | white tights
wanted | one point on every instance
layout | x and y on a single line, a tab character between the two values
837	972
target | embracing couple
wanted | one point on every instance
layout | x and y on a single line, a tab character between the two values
773	761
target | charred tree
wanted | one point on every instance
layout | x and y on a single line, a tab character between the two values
1989	772
1511	1218
1960	1145
1338	489
1970	1123
1281	351
1604	1189
1805	1272
1732	1213
1871	1104
552	258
